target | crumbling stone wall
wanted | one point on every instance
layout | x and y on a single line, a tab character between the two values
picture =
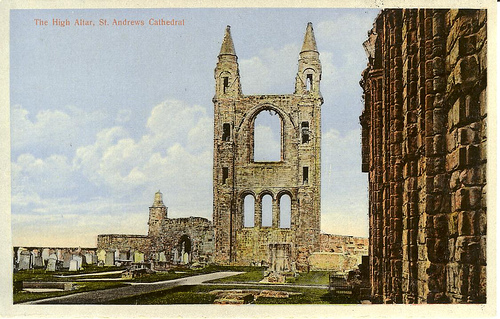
166	238
343	244
236	174
197	230
110	242
424	149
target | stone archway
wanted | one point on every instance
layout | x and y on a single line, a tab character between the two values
184	248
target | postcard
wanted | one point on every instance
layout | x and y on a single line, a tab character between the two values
218	159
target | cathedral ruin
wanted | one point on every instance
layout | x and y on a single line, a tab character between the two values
424	149
264	212
295	175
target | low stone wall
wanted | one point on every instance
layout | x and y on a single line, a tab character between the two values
140	243
333	262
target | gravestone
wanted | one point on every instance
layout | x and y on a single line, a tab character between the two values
51	263
79	260
25	261
123	255
73	265
110	259
138	257
162	256
39	262
67	256
185	258
101	255
45	254
117	254
89	258
176	256
59	254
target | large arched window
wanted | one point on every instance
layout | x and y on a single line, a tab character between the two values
267	137
285	211
248	211
267	211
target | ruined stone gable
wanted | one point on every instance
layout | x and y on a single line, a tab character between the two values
295	175
424	149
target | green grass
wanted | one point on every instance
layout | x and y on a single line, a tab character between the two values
310	278
24	296
200	295
251	276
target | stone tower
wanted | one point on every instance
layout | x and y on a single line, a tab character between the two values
157	214
243	187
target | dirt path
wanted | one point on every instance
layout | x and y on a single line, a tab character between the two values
101	296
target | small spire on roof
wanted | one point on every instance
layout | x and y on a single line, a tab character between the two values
227	44
309	40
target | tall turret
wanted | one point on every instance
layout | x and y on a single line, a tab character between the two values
227	73
309	72
157	213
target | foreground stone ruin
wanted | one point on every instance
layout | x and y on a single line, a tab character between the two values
424	149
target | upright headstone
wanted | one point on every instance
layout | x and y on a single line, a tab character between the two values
101	256
110	259
88	258
67	256
117	254
185	258
138	257
25	260
176	256
39	262
162	256
45	254
79	260
123	255
59	255
51	263
73	265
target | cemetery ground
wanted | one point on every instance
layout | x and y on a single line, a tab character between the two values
307	288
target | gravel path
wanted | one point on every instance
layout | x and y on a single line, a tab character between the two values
101	296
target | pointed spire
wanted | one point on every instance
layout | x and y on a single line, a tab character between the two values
158	199
309	40
227	44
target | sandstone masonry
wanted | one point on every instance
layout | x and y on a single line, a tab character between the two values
424	149
296	174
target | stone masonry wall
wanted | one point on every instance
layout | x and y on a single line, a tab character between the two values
197	230
122	242
424	149
297	173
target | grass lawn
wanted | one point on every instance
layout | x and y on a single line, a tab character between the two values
200	295
310	278
24	296
250	276
42	275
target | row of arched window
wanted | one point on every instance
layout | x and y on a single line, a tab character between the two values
266	213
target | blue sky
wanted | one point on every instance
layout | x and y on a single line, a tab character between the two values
103	117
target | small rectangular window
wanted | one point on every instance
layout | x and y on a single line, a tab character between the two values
226	132
225	83
305	132
225	175
309	82
305	174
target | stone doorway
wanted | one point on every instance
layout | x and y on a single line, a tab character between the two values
184	249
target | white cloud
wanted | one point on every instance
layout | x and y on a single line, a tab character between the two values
271	72
52	130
